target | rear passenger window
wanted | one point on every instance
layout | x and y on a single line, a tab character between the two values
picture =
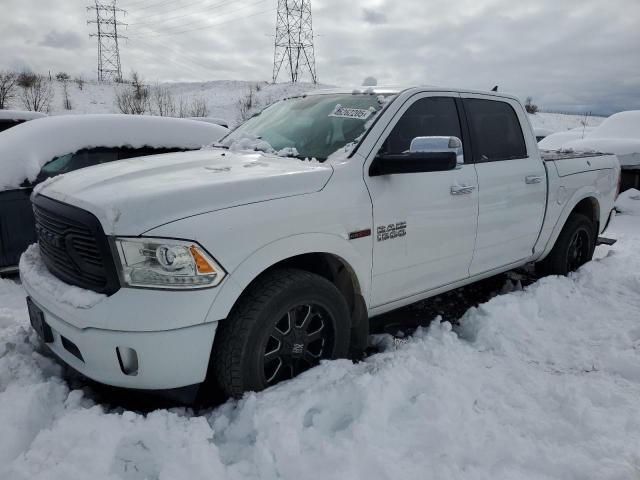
427	117
495	130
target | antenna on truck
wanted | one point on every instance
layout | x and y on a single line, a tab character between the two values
495	89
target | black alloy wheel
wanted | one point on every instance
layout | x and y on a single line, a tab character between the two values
298	341
579	250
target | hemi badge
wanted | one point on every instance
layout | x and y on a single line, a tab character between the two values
360	234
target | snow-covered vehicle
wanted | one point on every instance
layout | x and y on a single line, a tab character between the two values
555	141
541	133
245	267
13	118
619	134
32	152
216	121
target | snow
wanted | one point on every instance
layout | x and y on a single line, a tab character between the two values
34	272
556	141
21	157
215	121
20	115
221	97
538	383
559	122
618	134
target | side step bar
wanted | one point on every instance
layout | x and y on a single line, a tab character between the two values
606	241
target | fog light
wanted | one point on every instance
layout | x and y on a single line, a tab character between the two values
128	359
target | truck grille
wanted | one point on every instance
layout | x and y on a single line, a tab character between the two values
74	247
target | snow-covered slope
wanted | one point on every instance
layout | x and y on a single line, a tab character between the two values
540	383
222	98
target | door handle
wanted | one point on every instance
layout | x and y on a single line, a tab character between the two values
533	179
462	189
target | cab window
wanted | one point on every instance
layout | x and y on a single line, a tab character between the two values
495	130
427	117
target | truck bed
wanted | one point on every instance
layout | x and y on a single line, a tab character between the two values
570	163
558	155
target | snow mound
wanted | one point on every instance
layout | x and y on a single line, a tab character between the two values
26	148
34	272
629	202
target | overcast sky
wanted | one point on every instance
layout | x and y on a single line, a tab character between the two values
569	55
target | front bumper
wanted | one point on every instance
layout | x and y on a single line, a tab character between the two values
166	359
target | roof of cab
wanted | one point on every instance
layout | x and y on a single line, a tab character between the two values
395	90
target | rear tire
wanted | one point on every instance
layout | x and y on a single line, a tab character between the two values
284	324
574	247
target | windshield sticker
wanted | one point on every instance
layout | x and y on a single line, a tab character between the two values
357	113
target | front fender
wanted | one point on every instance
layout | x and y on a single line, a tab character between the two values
283	249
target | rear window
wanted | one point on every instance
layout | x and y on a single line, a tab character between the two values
495	130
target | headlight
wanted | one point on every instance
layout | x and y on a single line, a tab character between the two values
164	263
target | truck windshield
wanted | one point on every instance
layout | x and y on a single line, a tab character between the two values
313	126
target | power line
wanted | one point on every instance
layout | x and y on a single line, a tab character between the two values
154	5
294	40
195	29
150	51
211	7
107	23
163	13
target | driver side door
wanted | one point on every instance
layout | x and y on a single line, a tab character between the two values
425	223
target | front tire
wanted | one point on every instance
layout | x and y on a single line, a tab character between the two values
574	247
285	323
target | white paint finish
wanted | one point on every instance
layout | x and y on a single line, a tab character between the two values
511	205
441	227
248	239
511	212
251	211
166	359
155	190
131	309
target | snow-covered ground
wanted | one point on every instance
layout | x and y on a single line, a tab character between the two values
559	122
539	383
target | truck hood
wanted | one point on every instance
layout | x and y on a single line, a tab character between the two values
132	196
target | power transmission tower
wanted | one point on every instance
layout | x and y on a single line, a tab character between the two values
294	40
107	23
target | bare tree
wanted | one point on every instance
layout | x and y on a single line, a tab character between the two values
63	77
66	103
79	82
8	84
530	107
247	104
133	99
38	94
26	79
182	108
163	101
198	108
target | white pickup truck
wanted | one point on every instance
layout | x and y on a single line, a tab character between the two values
247	263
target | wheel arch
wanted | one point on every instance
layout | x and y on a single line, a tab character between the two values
585	202
329	256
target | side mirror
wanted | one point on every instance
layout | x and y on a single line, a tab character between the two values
439	144
426	154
